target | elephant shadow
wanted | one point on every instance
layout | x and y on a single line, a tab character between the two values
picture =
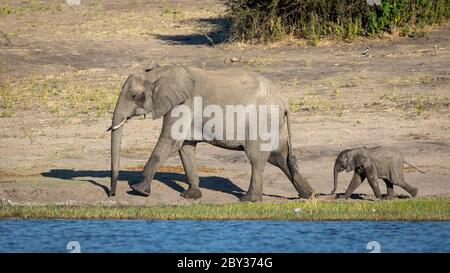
214	183
357	196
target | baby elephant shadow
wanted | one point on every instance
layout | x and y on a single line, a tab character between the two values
358	196
214	183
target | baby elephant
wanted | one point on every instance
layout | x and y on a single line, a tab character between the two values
372	163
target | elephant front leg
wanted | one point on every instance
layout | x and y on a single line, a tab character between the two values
163	150
187	155
354	184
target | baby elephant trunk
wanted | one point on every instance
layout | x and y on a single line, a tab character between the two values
335	179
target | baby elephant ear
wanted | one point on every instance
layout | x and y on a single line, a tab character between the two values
173	87
150	66
361	160
351	164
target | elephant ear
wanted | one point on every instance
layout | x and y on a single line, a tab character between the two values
351	164
173	87
365	161
150	66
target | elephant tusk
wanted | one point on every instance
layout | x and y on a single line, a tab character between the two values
117	126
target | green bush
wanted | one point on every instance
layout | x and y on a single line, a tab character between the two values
271	20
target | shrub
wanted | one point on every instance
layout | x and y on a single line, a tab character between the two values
271	20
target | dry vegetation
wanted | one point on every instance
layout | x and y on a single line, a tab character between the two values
92	91
65	94
93	21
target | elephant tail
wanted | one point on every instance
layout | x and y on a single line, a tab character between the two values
291	160
412	166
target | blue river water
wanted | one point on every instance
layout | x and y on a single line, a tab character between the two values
221	236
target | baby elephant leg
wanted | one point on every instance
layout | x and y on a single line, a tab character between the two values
410	189
374	185
400	181
390	189
354	184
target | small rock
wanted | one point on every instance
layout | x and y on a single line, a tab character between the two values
298	210
5	201
73	2
67	203
107	203
374	2
234	60
4	40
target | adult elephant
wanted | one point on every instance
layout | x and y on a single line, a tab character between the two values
162	90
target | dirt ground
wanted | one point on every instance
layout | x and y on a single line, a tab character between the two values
396	95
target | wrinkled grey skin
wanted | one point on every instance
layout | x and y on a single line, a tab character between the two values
379	162
158	90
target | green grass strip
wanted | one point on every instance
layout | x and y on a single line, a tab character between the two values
312	210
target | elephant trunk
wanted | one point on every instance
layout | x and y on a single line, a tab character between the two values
335	179
119	118
116	137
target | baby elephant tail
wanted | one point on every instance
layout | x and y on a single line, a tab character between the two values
412	166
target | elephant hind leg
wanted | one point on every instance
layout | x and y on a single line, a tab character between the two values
280	159
187	155
258	160
399	180
410	189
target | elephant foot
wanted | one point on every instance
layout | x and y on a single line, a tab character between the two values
342	196
303	187
141	188
413	192
388	197
307	194
251	198
192	193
